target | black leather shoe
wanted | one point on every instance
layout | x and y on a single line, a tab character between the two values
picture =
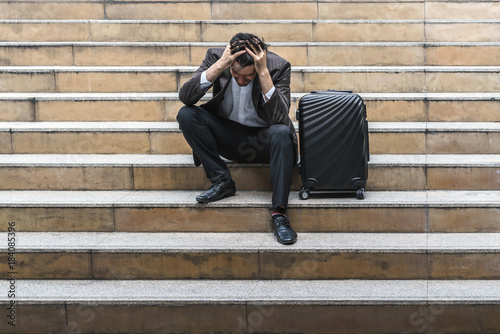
218	191
282	230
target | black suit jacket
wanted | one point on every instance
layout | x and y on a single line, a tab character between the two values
274	111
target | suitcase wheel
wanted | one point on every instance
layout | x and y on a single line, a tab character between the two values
304	193
360	193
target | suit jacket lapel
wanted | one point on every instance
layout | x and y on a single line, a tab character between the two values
256	92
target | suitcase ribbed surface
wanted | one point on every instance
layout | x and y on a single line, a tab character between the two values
333	145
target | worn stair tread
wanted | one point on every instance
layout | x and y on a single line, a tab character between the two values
248	199
186	160
195	242
291	292
222	44
135	126
229	21
471	96
309	69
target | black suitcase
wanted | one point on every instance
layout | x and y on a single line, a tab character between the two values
334	147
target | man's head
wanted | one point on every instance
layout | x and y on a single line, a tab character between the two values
243	69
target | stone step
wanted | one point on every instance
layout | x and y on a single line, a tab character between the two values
347	30
248	211
248	306
411	79
317	256
298	53
177	172
381	107
166	138
242	10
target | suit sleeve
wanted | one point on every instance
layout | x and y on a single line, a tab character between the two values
276	110
191	92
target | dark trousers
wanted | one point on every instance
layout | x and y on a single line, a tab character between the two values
213	137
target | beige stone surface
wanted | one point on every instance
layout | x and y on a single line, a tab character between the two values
464	266
464	111
59	219
463	55
409	220
17	111
343	266
397	143
44	32
83	111
131	56
169	178
246	178
26	82
36	56
51	11
110	82
366	82
371	11
75	178
195	319
334	319
145	32
464	220
297	56
470	32
5	142
396	111
365	56
172	109
464	178
50	265
264	11
198	219
463	143
462	82
459	318
80	143
342	32
462	10
181	265
36	319
397	179
169	143
271	32
158	11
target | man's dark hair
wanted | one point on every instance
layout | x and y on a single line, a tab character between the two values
238	43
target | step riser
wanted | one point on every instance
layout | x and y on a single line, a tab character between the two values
242	11
272	32
174	143
189	219
251	317
166	110
414	82
297	55
263	265
246	178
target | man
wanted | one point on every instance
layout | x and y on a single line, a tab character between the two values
245	121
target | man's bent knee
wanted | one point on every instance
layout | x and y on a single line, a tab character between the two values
185	116
280	133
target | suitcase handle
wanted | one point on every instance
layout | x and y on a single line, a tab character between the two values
332	91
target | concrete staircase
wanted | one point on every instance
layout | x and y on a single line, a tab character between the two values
99	182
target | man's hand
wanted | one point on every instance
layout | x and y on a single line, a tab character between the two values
260	63
225	61
259	58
